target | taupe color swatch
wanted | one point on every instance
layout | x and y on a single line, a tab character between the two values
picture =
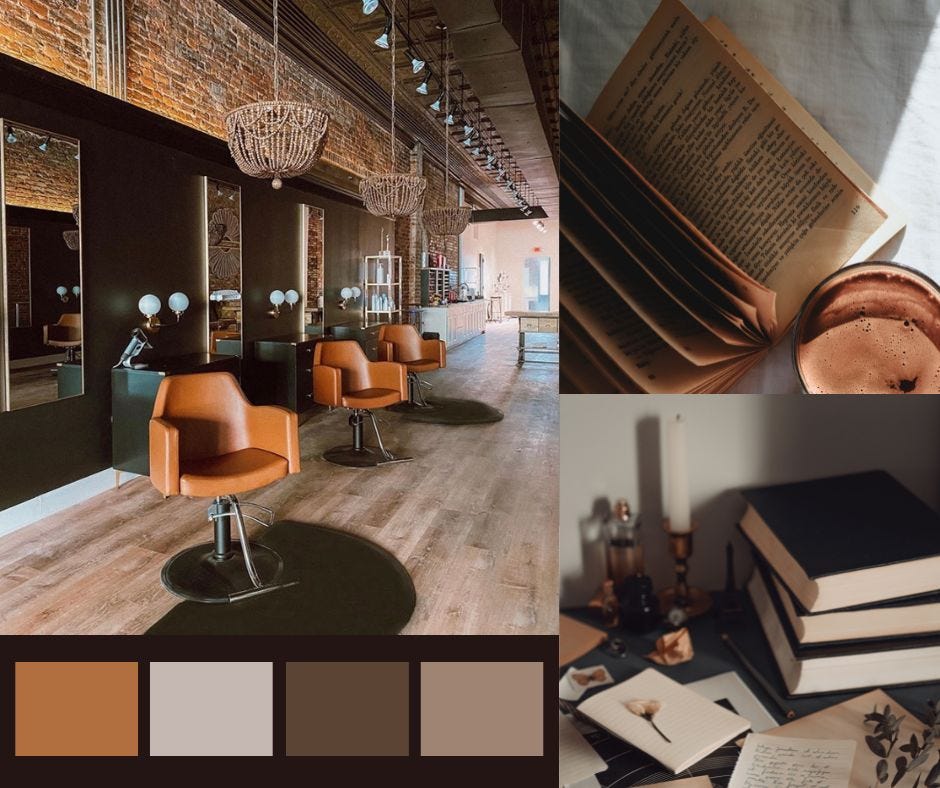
347	708
211	708
481	708
76	708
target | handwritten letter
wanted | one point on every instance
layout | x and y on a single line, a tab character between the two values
777	762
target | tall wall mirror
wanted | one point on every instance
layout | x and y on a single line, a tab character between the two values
313	310
224	263
41	347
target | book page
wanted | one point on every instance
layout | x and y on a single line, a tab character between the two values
691	119
821	138
623	334
607	204
778	762
695	726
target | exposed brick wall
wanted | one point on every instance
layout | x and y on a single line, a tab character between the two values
34	179
53	35
17	271
192	61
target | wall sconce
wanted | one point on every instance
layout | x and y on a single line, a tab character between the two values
149	306
63	292
76	291
291	297
277	298
348	294
179	303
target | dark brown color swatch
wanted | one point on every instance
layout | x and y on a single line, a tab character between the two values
347	708
76	708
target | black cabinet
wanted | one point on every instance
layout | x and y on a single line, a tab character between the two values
133	392
366	336
283	371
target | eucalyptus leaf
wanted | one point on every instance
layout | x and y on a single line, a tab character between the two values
876	746
881	770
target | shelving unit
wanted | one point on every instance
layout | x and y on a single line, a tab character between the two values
381	300
436	281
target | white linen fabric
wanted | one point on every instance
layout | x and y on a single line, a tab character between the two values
867	70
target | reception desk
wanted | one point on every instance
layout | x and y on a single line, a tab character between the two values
456	323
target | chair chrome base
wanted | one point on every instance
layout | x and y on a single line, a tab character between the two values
359	455
416	400
198	575
217	573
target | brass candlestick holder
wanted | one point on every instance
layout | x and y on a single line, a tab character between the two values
693	601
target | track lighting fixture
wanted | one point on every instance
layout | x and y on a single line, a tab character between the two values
436	106
416	62
11	135
44	144
382	40
368	6
423	87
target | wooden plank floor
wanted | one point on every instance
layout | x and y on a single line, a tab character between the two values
474	518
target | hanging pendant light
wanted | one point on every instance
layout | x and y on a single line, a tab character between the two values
276	139
446	219
392	194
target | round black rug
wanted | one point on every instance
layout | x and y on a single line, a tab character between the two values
450	411
348	586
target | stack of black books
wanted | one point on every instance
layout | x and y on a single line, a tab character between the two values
847	584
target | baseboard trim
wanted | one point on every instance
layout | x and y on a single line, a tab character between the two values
22	514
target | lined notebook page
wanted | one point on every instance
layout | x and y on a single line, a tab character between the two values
694	725
576	758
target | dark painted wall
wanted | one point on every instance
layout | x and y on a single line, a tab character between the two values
142	233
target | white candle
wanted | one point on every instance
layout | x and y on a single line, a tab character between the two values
680	513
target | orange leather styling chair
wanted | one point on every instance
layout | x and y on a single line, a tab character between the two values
208	440
402	343
344	378
66	333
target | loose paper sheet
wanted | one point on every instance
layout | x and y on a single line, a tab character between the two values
778	762
576	758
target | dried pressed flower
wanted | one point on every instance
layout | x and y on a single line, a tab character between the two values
647	709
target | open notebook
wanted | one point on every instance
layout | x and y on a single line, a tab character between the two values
695	726
700	206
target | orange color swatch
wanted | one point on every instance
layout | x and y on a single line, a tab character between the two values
76	708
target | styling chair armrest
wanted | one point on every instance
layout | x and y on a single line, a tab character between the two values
165	456
327	385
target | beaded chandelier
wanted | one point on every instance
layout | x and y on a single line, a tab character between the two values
392	194
446	219
276	139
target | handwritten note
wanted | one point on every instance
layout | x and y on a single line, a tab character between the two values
777	762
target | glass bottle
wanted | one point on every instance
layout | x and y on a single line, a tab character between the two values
624	551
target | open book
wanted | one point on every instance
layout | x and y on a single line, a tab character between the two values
700	206
693	725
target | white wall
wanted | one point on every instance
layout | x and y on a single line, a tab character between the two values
506	245
611	448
